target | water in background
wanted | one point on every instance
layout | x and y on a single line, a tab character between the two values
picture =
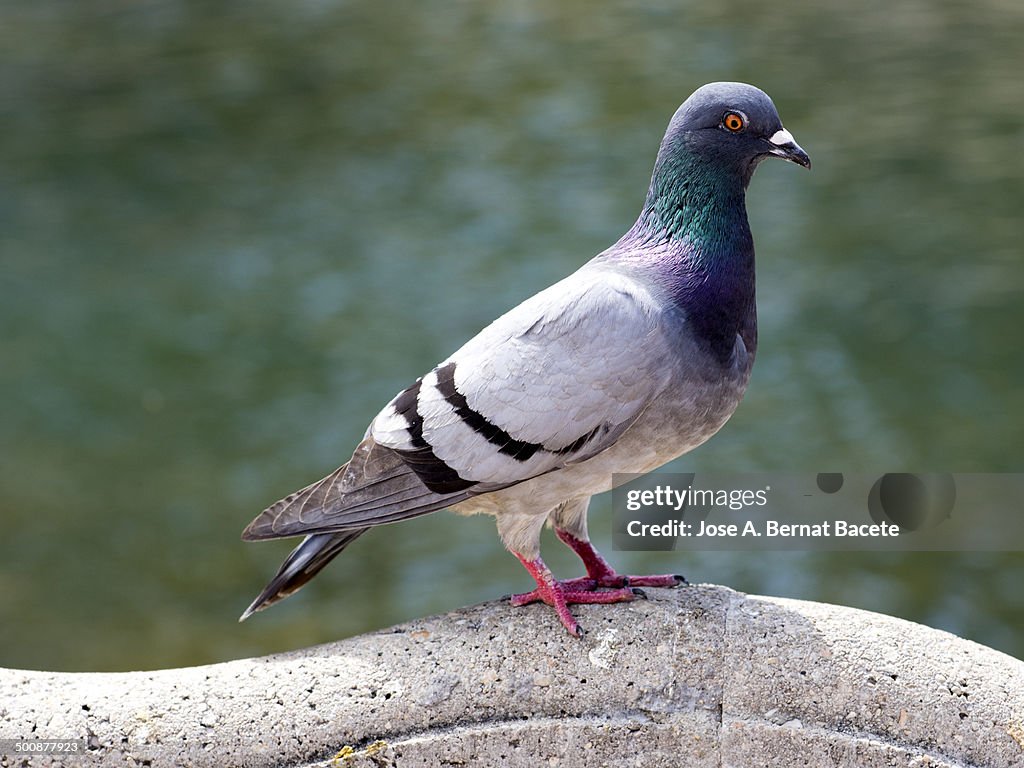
229	234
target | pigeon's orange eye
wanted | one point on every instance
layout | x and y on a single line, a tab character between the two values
734	121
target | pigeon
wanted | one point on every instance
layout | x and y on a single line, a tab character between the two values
639	356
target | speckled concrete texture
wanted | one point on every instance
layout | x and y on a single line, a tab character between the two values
698	676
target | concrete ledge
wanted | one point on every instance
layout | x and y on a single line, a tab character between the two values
699	676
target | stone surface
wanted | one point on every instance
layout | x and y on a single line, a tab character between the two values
699	676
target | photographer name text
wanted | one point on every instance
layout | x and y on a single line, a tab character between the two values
767	528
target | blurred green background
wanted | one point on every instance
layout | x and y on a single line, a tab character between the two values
230	232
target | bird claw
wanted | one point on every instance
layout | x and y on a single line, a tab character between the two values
601	585
667	580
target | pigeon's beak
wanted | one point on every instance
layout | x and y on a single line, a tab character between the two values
783	145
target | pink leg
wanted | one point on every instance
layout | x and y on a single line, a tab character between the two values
600	574
560	594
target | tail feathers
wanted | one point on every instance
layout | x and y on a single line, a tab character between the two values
304	562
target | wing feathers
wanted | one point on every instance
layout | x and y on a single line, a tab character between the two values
375	487
551	383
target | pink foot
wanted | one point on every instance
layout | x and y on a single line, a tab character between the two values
561	594
603	575
575	596
656	580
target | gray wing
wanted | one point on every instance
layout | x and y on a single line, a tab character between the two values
551	383
374	487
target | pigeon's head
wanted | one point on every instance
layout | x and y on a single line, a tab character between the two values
734	126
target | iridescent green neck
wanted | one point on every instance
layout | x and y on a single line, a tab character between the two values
698	199
703	253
